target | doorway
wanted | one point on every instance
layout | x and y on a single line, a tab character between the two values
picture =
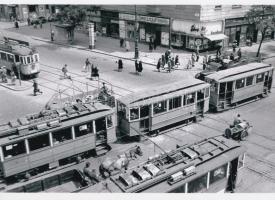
229	91
158	37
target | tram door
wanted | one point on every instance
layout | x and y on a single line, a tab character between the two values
229	91
101	131
233	171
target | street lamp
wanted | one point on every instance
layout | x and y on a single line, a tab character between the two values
136	35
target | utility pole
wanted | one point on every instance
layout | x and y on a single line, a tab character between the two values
136	35
170	29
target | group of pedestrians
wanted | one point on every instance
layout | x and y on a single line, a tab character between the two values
138	66
89	67
167	61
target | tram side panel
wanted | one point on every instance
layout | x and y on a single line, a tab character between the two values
247	92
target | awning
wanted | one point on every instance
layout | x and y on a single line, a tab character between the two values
216	37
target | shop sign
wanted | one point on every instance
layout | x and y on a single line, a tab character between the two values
114	21
141	18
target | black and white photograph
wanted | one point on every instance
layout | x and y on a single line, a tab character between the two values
126	97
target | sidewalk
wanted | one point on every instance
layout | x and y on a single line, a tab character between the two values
25	85
111	46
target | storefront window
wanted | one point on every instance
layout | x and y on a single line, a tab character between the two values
218	174
198	184
160	107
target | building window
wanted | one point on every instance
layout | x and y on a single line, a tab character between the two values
198	184
259	78
236	6
240	83
39	142
83	129
200	95
249	80
175	103
218	174
190	98
109	121
218	7
160	107
134	113
62	135
144	111
14	149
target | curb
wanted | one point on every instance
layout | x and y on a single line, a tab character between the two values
87	49
11	88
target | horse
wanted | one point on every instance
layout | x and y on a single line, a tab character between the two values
110	165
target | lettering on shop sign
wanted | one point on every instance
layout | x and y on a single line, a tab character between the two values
141	18
195	28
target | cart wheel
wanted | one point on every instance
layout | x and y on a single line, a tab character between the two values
243	135
228	133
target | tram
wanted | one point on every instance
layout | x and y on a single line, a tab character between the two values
211	165
20	58
238	85
52	138
160	108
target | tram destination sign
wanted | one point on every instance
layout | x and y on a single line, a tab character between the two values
142	18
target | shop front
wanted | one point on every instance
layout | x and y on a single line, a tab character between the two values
110	24
196	35
148	27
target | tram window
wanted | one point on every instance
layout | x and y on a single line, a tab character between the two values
121	110
10	58
100	124
22	60
218	174
198	184
259	78
83	129
14	149
190	98
249	80
175	103
134	113
206	92
3	56
160	107
240	83
109	121
39	142
200	95
62	135
17	58
28	60
241	161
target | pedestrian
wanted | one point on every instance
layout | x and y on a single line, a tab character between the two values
177	63
35	88
155	44
136	66
140	68
94	72
121	42
29	21
65	72
204	62
87	65
16	24
172	63
52	35
4	74
41	24
163	61
120	65
159	65
193	57
169	65
127	45
239	53
166	55
13	77
197	54
234	45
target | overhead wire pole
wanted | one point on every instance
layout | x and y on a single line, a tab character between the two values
136	35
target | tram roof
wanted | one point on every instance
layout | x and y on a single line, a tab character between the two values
155	94
52	119
239	72
209	154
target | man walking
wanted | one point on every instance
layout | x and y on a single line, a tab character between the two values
120	65
35	88
52	35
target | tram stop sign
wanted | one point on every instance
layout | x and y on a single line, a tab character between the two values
198	42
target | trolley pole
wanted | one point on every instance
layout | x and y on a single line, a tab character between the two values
136	35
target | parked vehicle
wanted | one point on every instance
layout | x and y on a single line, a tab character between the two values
239	131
